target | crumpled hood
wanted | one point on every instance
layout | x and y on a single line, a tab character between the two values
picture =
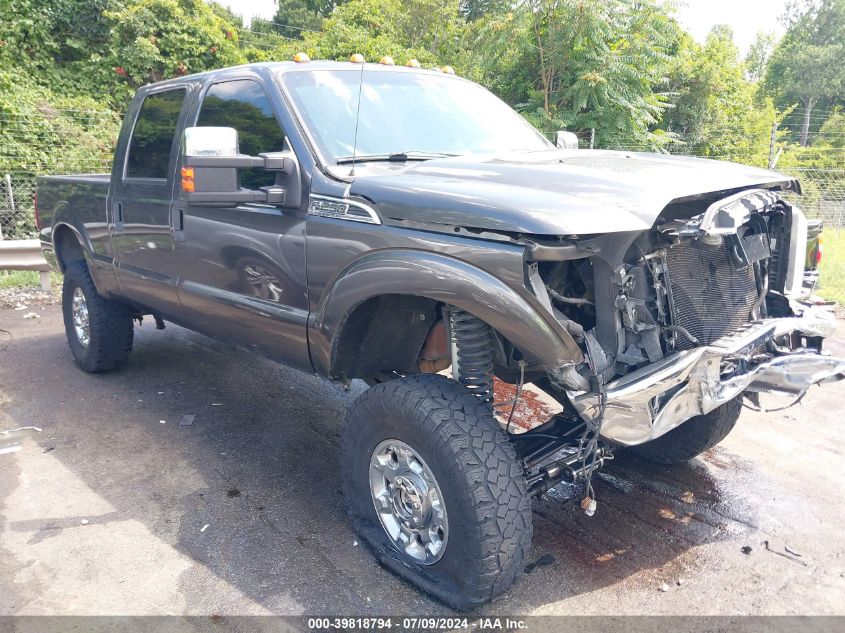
562	192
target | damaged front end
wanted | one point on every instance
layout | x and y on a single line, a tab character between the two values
759	357
680	319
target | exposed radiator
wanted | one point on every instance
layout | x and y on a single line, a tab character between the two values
711	296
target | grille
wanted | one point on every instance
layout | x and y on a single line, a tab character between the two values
711	297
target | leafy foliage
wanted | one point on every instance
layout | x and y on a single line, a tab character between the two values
623	69
757	59
154	39
38	122
581	64
295	18
807	64
716	112
427	30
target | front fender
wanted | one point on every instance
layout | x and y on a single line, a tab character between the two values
406	272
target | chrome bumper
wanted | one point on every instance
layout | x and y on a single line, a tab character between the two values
654	400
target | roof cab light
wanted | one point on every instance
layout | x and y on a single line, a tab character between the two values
387	60
413	63
357	58
301	58
448	70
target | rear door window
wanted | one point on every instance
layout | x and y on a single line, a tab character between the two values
153	135
244	105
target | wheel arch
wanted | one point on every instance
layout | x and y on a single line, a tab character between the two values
68	245
363	296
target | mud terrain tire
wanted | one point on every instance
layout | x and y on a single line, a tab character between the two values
478	473
693	437
110	328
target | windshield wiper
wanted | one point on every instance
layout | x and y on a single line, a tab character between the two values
396	157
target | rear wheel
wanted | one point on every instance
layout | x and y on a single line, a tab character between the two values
98	331
436	490
693	437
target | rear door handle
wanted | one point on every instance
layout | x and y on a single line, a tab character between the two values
117	215
177	218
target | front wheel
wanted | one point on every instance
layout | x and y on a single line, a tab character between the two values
436	490
693	437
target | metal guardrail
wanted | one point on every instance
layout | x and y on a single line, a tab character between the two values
25	255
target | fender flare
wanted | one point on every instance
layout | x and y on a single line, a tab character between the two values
65	215
81	237
444	279
102	268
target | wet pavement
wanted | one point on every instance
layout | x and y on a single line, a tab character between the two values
116	508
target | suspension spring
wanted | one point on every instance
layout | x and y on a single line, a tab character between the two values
472	353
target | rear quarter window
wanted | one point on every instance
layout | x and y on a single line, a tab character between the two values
153	135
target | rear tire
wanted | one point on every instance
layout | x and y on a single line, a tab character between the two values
693	437
464	456
99	331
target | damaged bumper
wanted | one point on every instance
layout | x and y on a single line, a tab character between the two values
653	400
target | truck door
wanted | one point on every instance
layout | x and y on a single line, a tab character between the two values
140	199
242	268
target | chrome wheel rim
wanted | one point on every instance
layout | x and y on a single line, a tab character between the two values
408	501
264	284
79	312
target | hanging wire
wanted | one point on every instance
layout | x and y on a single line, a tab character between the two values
518	394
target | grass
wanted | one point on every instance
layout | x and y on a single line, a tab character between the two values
832	283
25	279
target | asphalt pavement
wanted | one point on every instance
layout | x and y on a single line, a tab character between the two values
117	508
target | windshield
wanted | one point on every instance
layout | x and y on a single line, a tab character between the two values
407	113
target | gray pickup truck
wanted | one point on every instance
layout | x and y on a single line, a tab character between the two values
405	227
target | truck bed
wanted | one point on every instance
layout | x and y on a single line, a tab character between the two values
85	193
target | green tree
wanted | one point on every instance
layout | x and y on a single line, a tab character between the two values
581	64
58	43
295	18
155	39
716	111
474	9
757	59
428	30
808	64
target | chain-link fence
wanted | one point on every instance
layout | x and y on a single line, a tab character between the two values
46	140
823	197
50	142
17	214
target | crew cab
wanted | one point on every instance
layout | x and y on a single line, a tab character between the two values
405	227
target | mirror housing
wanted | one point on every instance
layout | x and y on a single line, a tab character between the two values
566	140
210	141
210	170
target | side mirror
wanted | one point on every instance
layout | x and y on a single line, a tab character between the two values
566	140
210	170
210	141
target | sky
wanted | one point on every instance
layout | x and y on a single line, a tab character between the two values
745	17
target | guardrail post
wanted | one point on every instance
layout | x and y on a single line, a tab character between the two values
45	280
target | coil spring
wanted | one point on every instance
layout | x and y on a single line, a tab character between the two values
472	353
